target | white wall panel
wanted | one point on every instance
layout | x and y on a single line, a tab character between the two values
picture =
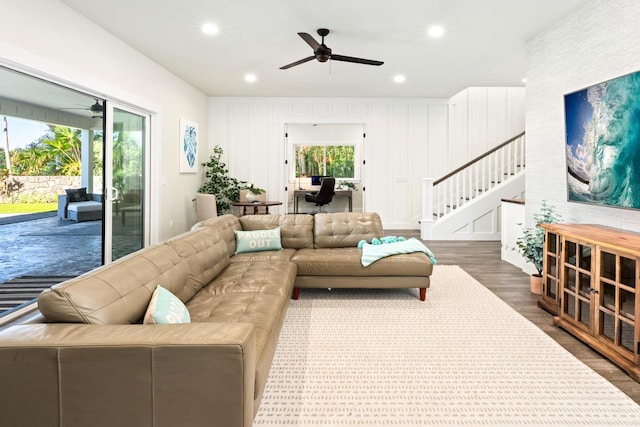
340	111
478	121
239	141
378	146
359	111
418	159
459	129
595	43
497	105
515	118
399	162
439	142
321	110
259	152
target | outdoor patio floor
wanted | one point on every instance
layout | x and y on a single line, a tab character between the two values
47	246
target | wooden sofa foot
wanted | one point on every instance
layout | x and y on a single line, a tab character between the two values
296	293
423	294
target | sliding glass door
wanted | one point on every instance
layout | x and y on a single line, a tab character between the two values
126	189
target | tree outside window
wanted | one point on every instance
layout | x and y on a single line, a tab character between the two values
333	160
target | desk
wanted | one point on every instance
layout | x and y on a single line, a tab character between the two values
255	205
337	193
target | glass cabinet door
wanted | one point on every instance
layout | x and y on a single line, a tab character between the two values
577	290
617	303
551	272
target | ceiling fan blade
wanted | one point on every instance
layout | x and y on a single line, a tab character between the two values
356	60
302	61
310	40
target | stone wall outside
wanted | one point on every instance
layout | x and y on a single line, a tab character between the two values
39	188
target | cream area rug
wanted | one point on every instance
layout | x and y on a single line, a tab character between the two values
462	358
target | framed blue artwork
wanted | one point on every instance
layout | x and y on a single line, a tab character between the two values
188	146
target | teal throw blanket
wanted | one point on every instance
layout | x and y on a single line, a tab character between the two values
372	253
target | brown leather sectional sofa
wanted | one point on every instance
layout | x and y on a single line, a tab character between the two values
90	362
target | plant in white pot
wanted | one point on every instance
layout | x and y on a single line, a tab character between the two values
531	243
253	193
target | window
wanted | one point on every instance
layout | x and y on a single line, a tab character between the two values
333	160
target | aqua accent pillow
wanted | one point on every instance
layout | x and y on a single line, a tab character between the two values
258	240
166	308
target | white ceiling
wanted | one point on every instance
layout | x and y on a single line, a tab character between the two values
484	43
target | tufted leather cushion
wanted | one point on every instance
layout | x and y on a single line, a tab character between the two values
345	229
282	255
117	293
205	253
346	262
296	231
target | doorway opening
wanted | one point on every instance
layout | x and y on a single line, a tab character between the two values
318	150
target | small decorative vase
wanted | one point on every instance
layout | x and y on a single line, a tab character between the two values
536	284
252	197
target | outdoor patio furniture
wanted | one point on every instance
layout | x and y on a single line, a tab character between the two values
88	210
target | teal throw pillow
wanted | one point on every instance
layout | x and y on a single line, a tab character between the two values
258	240
166	308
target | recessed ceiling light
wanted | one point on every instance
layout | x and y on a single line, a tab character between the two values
399	78
435	31
210	28
524	80
250	78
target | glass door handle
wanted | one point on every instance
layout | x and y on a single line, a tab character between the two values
113	193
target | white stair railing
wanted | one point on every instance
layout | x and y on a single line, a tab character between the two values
444	195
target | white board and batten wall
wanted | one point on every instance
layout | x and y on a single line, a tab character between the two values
407	139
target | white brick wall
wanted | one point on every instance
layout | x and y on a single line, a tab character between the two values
597	42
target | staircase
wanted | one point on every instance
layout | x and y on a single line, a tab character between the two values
465	204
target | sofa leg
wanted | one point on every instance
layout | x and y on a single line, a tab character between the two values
423	294
296	293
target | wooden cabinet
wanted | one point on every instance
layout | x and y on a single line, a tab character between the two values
591	278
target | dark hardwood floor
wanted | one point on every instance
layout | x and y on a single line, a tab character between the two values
482	261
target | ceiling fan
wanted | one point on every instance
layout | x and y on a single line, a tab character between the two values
323	53
96	109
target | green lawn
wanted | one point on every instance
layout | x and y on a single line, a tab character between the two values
19	208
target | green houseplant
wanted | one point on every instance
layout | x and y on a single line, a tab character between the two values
531	243
218	182
255	190
221	184
348	184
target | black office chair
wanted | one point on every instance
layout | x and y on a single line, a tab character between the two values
324	196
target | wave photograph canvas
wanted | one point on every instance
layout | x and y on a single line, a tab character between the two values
603	143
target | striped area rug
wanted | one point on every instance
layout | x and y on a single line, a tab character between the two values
22	290
462	358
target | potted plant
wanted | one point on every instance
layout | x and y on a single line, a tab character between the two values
531	243
225	188
347	184
253	193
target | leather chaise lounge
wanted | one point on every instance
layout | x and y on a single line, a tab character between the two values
89	360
